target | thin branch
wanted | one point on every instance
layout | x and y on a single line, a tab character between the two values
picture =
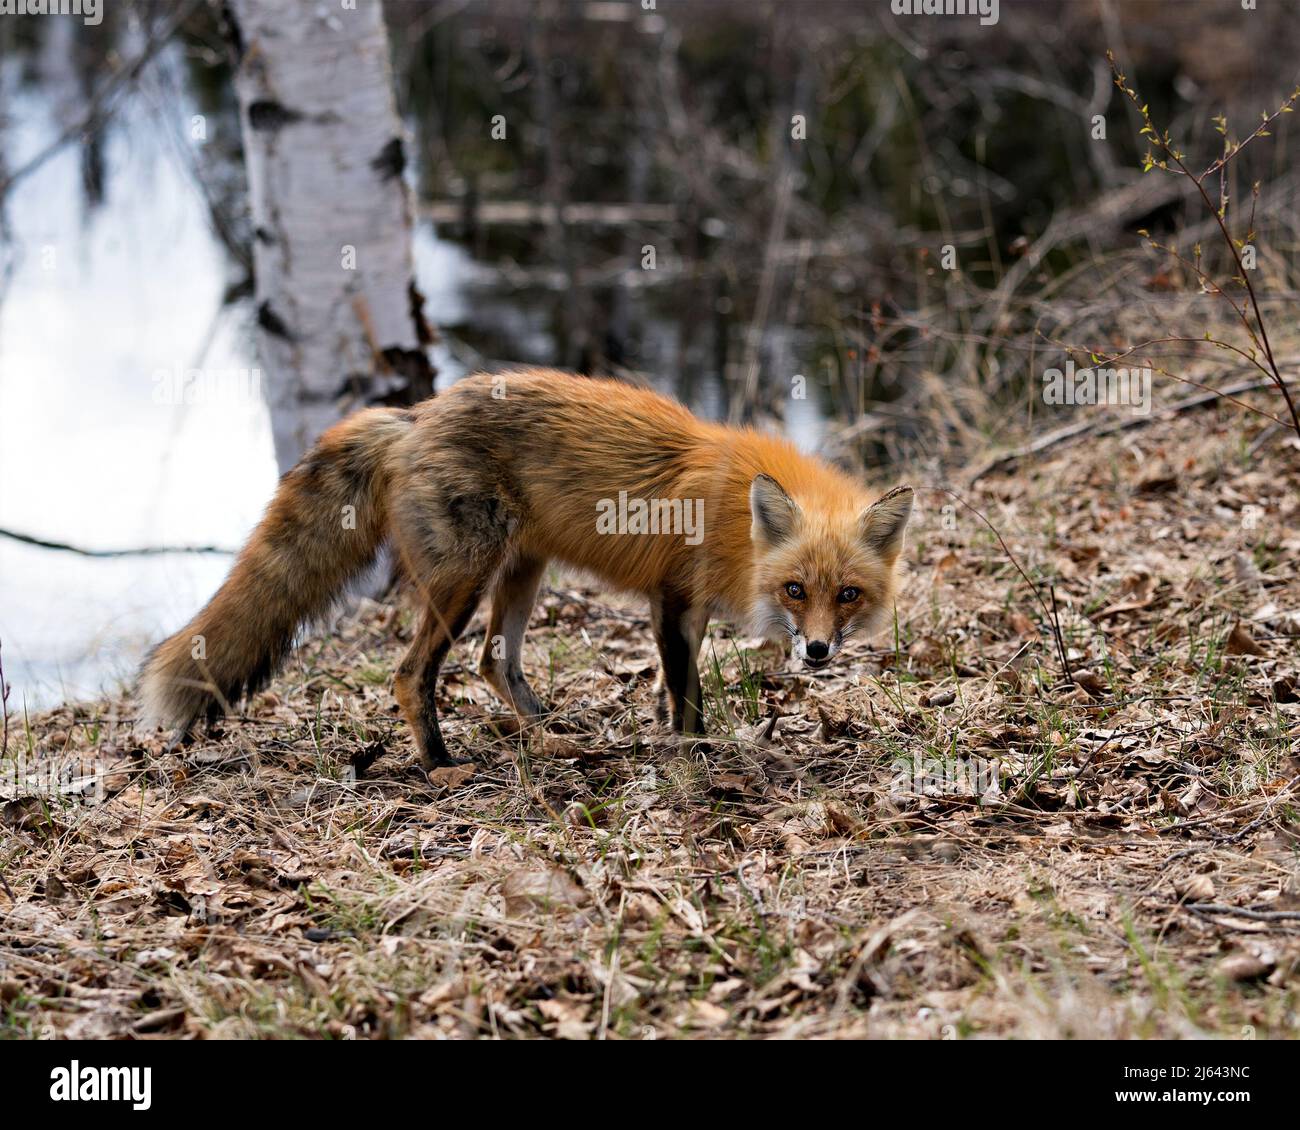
1244	912
146	551
1164	145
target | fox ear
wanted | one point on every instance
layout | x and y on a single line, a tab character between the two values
883	522
774	512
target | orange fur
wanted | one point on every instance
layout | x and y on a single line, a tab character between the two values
478	488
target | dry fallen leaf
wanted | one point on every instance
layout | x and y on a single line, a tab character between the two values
1244	967
706	1014
552	890
569	1017
1195	888
1022	625
1241	642
452	776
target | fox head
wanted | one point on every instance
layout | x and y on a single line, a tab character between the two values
819	577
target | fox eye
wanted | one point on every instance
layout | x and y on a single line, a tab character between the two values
794	590
848	594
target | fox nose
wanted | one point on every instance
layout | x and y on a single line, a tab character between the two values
817	649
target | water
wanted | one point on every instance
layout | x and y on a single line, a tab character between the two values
99	301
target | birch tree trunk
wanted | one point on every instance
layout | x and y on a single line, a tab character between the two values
339	317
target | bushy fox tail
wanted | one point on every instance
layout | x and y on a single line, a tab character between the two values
323	528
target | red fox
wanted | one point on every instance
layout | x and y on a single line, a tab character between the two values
479	487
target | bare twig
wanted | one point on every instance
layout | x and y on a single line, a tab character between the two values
1244	912
1258	333
144	551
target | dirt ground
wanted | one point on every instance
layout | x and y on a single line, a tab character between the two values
943	837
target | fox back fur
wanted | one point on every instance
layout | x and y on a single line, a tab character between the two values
479	488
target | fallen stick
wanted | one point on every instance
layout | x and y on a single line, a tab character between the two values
1244	912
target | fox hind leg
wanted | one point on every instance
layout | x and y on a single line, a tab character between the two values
452	539
448	610
512	605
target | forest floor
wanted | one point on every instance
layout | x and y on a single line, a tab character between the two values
943	837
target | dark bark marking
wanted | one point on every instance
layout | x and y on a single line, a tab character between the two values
267	116
391	161
271	322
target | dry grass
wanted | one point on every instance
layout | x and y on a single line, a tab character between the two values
294	874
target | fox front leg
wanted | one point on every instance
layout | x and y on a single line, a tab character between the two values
679	628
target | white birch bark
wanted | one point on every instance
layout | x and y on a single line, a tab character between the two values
338	317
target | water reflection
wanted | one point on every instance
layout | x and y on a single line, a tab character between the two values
105	299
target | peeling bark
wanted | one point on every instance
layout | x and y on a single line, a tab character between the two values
325	156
